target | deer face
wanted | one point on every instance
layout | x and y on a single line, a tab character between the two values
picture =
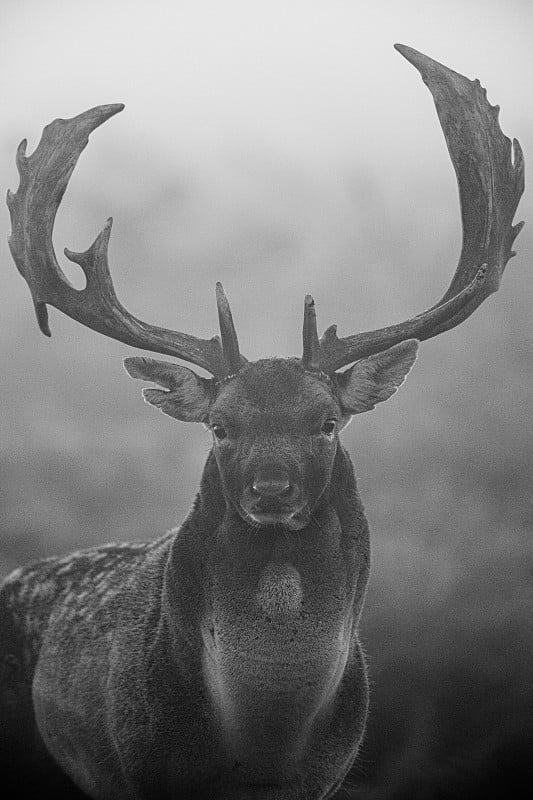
275	424
275	435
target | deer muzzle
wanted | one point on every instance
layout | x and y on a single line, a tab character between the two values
272	497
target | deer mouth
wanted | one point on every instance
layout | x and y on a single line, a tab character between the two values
293	520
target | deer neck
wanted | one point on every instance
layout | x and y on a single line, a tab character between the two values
272	613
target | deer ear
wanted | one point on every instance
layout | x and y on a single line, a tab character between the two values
185	396
374	379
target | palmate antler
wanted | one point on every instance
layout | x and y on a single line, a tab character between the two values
490	175
491	182
43	179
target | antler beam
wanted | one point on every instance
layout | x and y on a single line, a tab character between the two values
490	175
43	179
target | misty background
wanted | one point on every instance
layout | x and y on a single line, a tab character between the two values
286	148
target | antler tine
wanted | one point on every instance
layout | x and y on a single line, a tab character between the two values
311	348
44	176
228	334
490	175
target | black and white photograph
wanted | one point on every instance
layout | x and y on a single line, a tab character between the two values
266	440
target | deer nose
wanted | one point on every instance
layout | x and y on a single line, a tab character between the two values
271	484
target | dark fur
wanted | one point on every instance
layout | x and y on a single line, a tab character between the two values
220	661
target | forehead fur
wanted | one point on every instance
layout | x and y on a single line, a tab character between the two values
274	384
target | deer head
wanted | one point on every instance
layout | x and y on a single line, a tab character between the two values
275	422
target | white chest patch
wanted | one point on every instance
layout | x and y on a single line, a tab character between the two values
279	591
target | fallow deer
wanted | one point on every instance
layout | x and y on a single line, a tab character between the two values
223	660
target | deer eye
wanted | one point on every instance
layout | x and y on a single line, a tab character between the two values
328	427
219	431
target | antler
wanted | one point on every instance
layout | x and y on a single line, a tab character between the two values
43	179
491	182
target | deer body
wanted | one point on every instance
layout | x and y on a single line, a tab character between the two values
223	661
222	656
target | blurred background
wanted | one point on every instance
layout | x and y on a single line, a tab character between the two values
286	148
